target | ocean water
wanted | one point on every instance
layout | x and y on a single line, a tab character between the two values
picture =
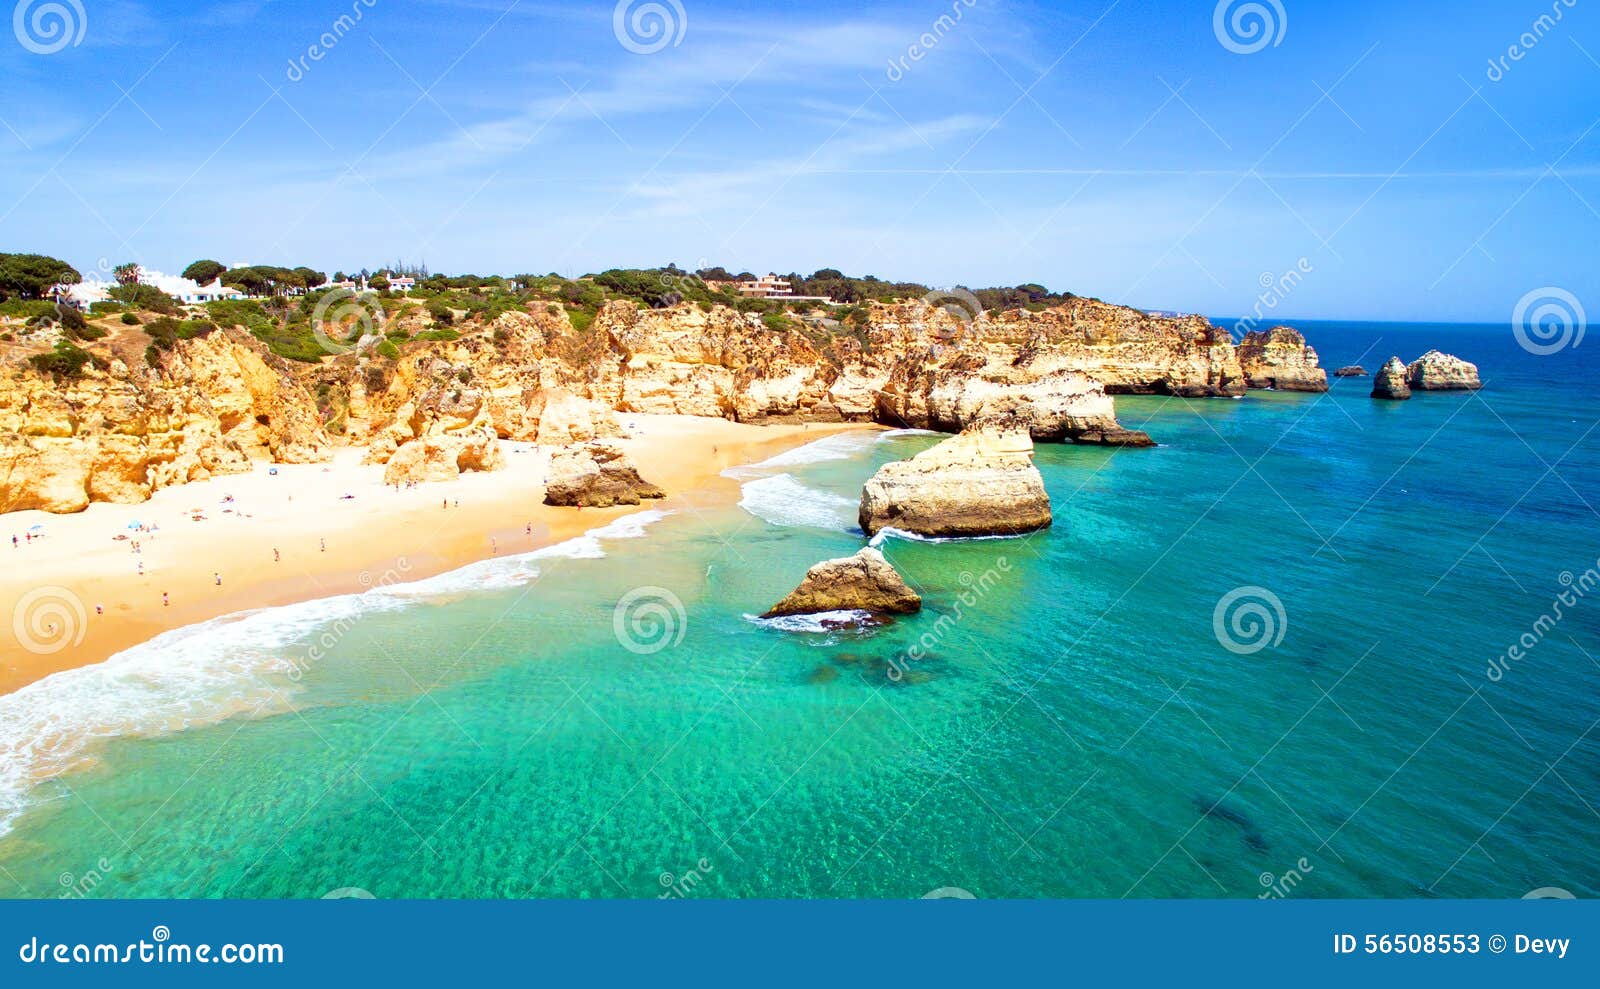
1266	658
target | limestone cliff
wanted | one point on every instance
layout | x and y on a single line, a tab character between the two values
1280	358
126	426
207	405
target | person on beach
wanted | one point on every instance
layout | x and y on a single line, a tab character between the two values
494	547
275	557
164	601
99	609
14	543
218	578
322	544
141	568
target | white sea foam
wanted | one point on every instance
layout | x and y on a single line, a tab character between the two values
783	500
890	532
813	623
899	434
240	664
840	446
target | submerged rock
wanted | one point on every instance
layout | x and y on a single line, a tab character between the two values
1390	381
596	475
863	582
1435	371
981	482
1280	358
1351	371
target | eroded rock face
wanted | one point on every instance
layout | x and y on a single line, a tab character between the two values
1435	371
981	482
863	582
1351	371
126	428
596	475
1280	358
1390	381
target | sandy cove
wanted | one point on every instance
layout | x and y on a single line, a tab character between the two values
326	544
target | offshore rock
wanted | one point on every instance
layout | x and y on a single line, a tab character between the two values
981	482
863	582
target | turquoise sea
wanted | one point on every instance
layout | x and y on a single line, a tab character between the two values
1072	722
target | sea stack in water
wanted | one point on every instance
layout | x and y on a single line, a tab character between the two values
1280	358
981	482
596	475
1351	371
1390	381
864	582
1435	371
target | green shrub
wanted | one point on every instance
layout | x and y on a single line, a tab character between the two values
66	361
389	350
147	297
129	319
106	308
444	334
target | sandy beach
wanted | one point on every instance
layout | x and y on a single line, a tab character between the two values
288	532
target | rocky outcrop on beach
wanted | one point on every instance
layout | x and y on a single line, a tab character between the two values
1435	371
1351	371
1280	358
863	582
1390	381
596	475
981	482
126	427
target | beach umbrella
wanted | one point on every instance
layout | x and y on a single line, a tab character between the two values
135	524
36	528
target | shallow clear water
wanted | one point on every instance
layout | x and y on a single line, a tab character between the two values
1071	723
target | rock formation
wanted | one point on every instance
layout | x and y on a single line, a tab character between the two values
1351	371
981	482
863	582
214	403
595	475
1390	381
1280	358
1435	371
127	427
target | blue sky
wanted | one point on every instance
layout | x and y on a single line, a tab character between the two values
1120	150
